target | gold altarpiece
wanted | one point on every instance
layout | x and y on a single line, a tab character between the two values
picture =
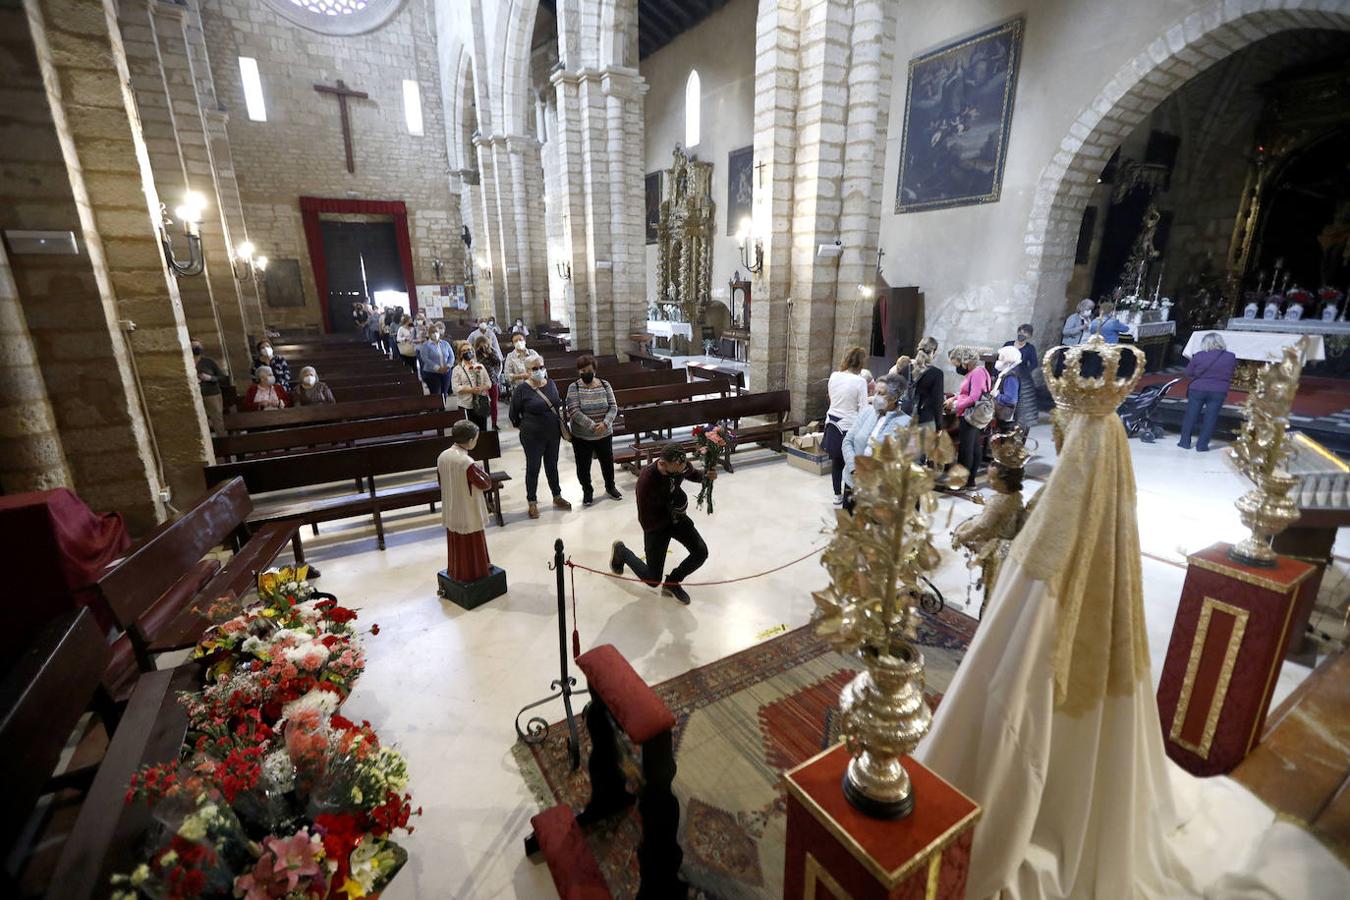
684	238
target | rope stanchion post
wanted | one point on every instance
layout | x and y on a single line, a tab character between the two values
536	728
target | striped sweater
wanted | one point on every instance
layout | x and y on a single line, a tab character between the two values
594	402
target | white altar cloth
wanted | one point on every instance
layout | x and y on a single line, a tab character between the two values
670	329
1259	346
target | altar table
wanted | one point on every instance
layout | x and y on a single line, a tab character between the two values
1258	346
670	329
1290	326
836	852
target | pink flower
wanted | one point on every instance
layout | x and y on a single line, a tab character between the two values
296	856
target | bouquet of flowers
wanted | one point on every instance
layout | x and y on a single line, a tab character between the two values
275	794
713	442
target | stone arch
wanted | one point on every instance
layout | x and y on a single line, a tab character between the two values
1180	53
463	111
516	30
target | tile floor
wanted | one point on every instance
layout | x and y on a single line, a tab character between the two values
445	684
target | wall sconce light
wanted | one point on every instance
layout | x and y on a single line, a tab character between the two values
753	260
485	268
436	266
189	214
247	265
564	270
866	291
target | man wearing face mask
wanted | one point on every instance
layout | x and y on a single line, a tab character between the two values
311	391
486	331
209	377
663	513
1028	412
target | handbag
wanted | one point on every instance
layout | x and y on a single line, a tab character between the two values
562	423
482	404
1002	411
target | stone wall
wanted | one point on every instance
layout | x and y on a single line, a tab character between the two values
722	49
298	151
1090	74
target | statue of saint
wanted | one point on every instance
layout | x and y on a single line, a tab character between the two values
463	508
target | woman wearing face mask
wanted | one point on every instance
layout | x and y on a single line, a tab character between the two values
484	330
209	378
1007	388
536	410
974	385
469	381
848	395
266	394
493	363
517	362
520	329
880	419
311	391
434	358
281	369
591	411
407	346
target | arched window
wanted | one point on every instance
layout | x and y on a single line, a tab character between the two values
693	97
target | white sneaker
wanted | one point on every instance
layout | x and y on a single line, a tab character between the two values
838	499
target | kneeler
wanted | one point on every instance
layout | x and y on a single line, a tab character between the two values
619	695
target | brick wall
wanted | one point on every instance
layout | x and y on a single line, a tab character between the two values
299	150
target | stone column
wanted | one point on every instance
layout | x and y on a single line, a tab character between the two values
31	456
490	282
108	168
822	91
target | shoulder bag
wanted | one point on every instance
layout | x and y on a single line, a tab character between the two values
562	423
1002	411
981	412
482	404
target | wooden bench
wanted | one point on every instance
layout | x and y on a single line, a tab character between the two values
150	594
42	699
648	359
628	378
700	370
665	393
654	420
233	447
342	411
108	834
364	461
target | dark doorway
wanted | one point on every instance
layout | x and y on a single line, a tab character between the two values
361	259
1307	217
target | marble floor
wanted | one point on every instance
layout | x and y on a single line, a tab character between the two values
444	684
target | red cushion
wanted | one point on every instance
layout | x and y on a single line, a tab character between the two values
570	863
177	598
637	709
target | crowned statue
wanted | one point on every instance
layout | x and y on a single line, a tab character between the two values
1050	723
469	578
987	536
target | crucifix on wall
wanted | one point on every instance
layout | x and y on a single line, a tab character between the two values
342	92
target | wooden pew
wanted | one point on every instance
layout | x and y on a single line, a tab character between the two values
255	443
342	411
42	698
665	393
364	461
644	420
108	833
628	378
568	361
648	359
383	390
699	370
151	592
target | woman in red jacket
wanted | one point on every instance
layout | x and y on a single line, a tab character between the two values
266	394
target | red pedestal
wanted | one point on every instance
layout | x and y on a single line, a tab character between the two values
1228	643
835	852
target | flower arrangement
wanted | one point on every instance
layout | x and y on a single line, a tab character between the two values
275	794
712	443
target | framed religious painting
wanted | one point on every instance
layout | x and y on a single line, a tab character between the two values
958	111
282	283
653	205
740	187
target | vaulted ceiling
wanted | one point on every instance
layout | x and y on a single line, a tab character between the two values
661	21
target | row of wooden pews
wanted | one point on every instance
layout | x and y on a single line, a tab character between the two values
86	705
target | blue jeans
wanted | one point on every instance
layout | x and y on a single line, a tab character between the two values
1206	404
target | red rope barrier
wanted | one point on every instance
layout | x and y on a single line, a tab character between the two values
574	566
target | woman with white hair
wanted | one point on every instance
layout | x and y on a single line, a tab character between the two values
1210	372
1007	387
878	421
266	394
1077	324
311	391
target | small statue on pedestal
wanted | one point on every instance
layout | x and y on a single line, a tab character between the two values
469	578
986	537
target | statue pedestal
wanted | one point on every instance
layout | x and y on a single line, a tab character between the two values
835	851
472	594
1228	643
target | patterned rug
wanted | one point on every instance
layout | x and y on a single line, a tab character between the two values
740	722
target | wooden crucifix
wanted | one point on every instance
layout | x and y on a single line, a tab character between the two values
760	168
342	92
